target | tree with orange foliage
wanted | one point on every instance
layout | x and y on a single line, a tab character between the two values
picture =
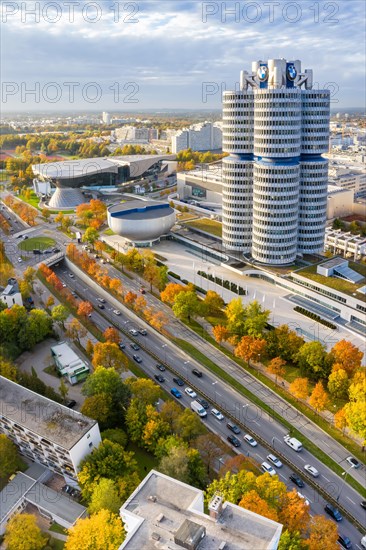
238	463
220	333
158	320
277	367
85	309
346	356
75	330
105	281
111	335
294	513
323	533
340	420
115	285
45	270
171	291
319	397
54	281
253	502
108	355
139	304
299	388
130	298
250	348
100	246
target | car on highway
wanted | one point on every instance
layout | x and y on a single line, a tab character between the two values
116	312
133	331
297	480
304	498
333	512
353	462
311	470
197	373
176	393
121	345
143	332
134	346
142	290
234	440
344	542
192	394
203	402
71	275
178	381
20	260
137	358
233	428
274	460
101	306
101	300
217	414
160	367
73	293
249	439
268	469
160	378
363	504
64	285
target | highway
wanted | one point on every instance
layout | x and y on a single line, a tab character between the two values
248	415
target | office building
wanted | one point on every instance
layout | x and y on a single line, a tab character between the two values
166	513
46	431
275	129
106	118
206	136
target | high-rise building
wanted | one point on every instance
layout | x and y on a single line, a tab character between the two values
106	118
275	129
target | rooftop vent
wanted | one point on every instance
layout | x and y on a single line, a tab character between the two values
152	498
155	536
215	506
222	545
160	518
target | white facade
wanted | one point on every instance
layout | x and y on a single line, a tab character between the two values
351	246
339	202
198	137
106	117
275	179
11	294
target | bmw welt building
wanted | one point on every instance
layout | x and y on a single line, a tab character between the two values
275	129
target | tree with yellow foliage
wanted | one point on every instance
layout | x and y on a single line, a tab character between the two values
299	388
22	532
101	531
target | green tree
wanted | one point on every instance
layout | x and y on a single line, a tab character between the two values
155	429
29	275
163	277
338	383
9	458
283	342
59	314
178	464
152	275
291	541
8	370
104	497
100	408
90	236
186	305
63	389
211	448
136	419
256	319
101	531
311	359
23	533
144	390
235	314
213	302
116	435
188	425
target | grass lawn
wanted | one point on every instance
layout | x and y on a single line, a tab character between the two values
40	243
56	528
57	544
32	201
205	224
109	232
145	461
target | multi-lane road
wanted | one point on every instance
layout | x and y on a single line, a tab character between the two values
156	347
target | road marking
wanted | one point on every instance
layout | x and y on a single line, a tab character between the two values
326	479
301	458
353	502
259	456
283	477
307	498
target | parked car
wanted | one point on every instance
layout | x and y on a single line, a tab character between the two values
297	480
178	381
344	541
160	367
70	403
353	462
249	439
274	460
311	470
192	394
197	373
333	512
176	393
134	346
137	358
142	331
160	378
268	469
203	402
217	414
233	428
234	440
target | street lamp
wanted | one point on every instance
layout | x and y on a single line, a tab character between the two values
345	474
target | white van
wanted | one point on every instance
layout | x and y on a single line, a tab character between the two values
292	442
363	542
197	408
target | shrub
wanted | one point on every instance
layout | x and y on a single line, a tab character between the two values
315	317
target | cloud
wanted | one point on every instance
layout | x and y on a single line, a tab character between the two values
173	47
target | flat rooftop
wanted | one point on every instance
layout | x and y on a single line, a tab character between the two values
140	209
160	505
41	415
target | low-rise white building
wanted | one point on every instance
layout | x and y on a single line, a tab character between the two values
45	431
69	364
340	242
166	513
11	295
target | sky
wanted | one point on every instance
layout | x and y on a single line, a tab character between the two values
117	56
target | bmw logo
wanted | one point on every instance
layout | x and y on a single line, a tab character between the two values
262	73
291	72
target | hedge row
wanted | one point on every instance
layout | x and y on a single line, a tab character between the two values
224	283
315	317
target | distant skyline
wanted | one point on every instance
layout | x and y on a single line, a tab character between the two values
170	54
